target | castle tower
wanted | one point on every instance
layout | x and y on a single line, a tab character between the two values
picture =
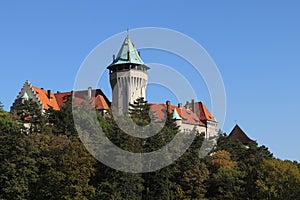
128	77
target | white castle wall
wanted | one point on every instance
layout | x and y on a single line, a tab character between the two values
127	86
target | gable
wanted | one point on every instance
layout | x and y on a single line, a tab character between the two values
238	134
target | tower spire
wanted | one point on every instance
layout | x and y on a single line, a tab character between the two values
128	77
126	51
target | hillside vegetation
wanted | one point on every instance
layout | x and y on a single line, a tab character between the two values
47	160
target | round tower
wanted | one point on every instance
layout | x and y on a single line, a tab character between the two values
128	77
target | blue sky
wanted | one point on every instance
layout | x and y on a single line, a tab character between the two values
255	44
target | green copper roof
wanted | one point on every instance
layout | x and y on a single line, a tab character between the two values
25	96
127	48
176	115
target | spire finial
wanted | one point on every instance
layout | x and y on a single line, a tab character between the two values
127	31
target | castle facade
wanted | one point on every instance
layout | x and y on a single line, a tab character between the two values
128	79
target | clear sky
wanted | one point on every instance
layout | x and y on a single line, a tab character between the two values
255	44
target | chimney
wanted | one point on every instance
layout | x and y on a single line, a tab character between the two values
89	92
139	53
187	106
128	55
114	57
49	94
180	105
168	103
193	105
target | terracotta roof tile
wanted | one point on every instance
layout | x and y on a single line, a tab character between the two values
202	112
187	115
98	98
43	96
61	98
100	102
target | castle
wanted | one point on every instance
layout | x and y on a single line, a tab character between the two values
128	80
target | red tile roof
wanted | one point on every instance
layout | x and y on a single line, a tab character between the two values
187	115
62	98
43	96
98	98
100	102
202	112
59	99
238	134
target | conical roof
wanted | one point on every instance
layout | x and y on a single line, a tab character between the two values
127	54
176	115
238	134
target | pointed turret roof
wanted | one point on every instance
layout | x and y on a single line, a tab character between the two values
238	134
176	115
25	96
127	54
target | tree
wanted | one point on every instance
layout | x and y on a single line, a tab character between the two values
65	168
110	183
226	181
29	113
278	179
191	185
160	184
62	120
221	159
18	168
247	158
7	125
191	173
241	152
226	184
139	111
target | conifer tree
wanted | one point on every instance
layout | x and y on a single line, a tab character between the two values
160	184
29	113
139	111
191	173
115	184
62	120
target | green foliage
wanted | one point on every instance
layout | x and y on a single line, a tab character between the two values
65	168
52	163
119	185
226	180
62	120
7	124
190	173
29	113
226	184
222	159
139	111
278	179
241	152
159	184
18	169
110	183
191	185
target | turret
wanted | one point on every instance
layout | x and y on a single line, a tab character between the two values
128	77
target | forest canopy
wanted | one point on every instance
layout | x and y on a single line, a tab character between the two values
47	160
